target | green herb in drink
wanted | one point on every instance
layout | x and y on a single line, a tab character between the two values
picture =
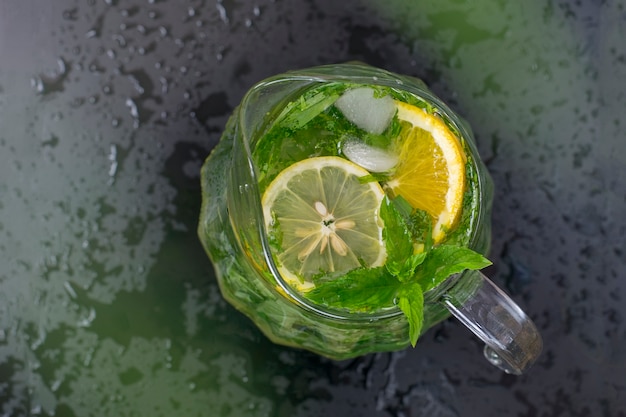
368	198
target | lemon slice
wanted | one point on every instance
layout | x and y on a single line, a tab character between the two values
324	220
430	174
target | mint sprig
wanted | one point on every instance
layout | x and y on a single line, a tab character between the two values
419	272
439	263
406	275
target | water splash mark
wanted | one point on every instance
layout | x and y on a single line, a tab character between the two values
141	82
496	142
70	14
96	29
134	111
53	81
144	86
113	164
52	142
518	276
214	106
116	158
432	398
221	9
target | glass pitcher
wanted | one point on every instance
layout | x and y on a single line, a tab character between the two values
233	231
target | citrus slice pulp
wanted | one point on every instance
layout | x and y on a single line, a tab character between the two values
430	174
324	220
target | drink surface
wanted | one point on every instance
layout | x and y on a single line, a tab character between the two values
369	195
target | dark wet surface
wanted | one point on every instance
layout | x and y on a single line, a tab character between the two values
108	305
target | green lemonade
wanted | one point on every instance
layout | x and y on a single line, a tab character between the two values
370	198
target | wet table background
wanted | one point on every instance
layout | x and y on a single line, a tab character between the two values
108	305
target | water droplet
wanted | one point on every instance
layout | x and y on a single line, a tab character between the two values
138	79
164	85
52	142
96	68
70	289
70	14
121	41
47	83
113	162
130	103
86	322
222	12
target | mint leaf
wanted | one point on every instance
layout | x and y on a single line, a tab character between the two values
407	270
411	302
361	289
445	260
403	206
302	112
396	235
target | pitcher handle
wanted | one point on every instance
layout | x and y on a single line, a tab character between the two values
512	342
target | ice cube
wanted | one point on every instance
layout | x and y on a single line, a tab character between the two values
370	113
368	157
